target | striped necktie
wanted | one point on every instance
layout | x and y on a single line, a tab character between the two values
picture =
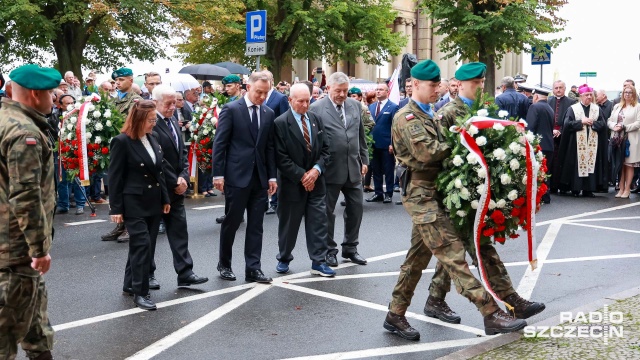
305	133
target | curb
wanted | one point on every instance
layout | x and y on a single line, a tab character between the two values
502	340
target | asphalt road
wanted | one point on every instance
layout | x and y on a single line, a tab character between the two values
304	316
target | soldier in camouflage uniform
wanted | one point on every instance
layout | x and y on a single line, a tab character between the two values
471	77
27	203
367	119
420	145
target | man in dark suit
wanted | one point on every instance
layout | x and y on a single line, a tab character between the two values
176	173
540	122
244	168
277	102
383	163
302	154
342	120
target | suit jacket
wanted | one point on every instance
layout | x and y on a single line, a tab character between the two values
136	184
514	103
347	146
540	122
236	152
292	158
187	116
278	102
382	130
175	156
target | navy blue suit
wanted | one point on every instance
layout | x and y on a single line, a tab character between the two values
513	102
383	163
246	162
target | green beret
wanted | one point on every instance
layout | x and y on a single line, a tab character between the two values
354	90
230	79
34	77
122	72
470	71
426	70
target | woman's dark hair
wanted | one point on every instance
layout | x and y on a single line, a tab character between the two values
134	125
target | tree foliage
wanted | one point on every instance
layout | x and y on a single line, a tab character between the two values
306	29
484	30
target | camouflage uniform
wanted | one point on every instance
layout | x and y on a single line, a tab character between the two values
496	272
123	105
26	208
419	144
367	119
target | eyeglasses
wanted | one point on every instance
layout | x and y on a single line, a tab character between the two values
154	121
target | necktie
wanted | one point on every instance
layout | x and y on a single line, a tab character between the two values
173	131
378	109
341	115
305	133
254	121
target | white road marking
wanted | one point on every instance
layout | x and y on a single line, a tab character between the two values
84	222
530	277
177	336
379	307
588	213
392	350
592	258
208	207
604	227
604	219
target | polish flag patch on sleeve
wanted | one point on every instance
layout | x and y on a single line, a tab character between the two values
409	117
31	141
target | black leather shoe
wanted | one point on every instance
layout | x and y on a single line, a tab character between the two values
113	234
271	210
226	273
387	199
355	258
343	203
162	229
588	194
332	260
220	219
127	290
192	279
153	283
144	302
376	198
258	276
124	237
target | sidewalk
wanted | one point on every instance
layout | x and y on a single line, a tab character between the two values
625	347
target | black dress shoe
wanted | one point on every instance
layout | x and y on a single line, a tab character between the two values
113	234
220	219
144	302
192	279
153	283
124	237
271	210
332	260
343	203
387	199
355	258
258	276
376	198
226	273
127	290
588	194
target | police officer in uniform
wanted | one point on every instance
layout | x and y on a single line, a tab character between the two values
26	228
419	144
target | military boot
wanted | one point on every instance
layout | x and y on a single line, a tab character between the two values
124	237
500	322
44	356
438	308
523	309
398	324
113	235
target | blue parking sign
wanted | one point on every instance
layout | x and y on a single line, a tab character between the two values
257	26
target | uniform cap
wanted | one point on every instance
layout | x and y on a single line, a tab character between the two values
525	86
230	79
470	71
34	77
122	72
519	78
426	70
354	90
205	84
542	91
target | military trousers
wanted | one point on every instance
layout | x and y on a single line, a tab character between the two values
23	313
438	238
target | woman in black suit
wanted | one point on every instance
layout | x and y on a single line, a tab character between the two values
138	195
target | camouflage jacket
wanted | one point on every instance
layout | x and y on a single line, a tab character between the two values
123	105
27	187
452	110
367	119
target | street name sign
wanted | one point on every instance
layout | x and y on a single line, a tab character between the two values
588	74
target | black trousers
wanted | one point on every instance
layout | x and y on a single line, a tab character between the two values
178	236
383	164
253	199
142	232
352	216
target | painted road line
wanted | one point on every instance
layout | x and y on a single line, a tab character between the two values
530	277
177	336
604	227
604	219
84	222
208	207
589	213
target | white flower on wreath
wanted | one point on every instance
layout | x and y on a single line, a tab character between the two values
499	154
530	136
70	107
108	123
457	160
91	107
96	114
192	127
473	130
195	137
107	114
98	126
539	155
482	173
98	140
514	164
492	204
522	121
205	132
69	136
464	193
512	195
457	183
214	120
69	126
461	213
472	158
73	120
209	115
501	204
524	180
483	112
505	179
77	105
62	132
197	109
503	114
480	189
523	151
515	147
481	141
498	127
88	135
214	102
475	204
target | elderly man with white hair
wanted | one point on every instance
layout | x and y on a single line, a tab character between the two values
72	90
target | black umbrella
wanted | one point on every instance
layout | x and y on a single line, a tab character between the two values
205	71
234	68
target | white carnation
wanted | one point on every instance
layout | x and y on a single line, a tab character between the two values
503	113
514	164
523	151
492	204
475	204
539	155
512	195
461	213
69	126
98	126
107	114
464	193
88	135
96	114
457	183
205	132
498	127
499	154
91	107
505	179
195	137
501	204
524	179
515	147
98	140
69	136
473	130
209	115
481	140
197	109
457	160
108	123
192	127
472	158
483	112
480	189
530	136
482	173
214	120
62	132
77	105
73	120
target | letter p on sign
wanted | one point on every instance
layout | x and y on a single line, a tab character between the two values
256	25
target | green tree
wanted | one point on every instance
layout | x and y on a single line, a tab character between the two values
335	29
484	30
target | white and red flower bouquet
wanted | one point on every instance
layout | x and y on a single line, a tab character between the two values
203	131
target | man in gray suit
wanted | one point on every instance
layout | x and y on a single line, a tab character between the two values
342	121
